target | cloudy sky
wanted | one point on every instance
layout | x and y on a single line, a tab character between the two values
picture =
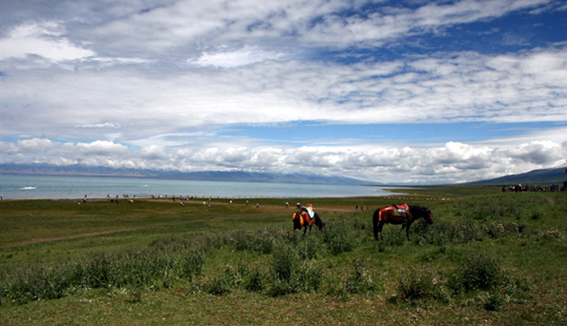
408	91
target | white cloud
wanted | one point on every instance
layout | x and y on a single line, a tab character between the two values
153	152
100	125
242	57
44	40
101	148
538	152
34	145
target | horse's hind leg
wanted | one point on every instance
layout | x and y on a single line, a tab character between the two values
375	225
378	232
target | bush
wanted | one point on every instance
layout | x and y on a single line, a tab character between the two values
256	280
418	284
360	281
285	262
311	247
192	263
31	283
309	276
479	273
495	230
281	287
344	236
225	282
261	241
393	237
291	274
495	301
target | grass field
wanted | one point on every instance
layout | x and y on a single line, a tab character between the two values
490	258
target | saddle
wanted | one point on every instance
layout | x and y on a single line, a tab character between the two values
399	210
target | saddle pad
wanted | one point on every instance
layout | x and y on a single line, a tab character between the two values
399	210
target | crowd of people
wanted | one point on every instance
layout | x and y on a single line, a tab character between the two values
527	187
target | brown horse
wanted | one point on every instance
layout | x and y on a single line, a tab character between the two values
302	219
389	214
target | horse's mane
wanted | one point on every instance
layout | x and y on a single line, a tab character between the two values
417	208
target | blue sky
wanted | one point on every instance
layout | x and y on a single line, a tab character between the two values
415	91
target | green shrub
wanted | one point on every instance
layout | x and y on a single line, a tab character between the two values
360	281
443	232
495	301
292	274
495	230
225	282
281	287
309	276
339	236
478	273
393	236
285	262
256	280
34	283
419	284
259	241
311	247
192	263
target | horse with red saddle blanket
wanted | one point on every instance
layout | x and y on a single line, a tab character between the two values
402	214
305	218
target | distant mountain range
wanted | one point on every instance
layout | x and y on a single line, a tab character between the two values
535	177
83	170
539	177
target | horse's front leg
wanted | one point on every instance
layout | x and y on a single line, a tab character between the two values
407	231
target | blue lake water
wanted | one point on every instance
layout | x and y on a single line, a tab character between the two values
57	187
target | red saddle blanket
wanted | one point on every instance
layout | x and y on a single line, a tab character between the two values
399	210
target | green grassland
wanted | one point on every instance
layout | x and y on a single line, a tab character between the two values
490	258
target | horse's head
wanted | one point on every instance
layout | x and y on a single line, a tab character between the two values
419	212
427	215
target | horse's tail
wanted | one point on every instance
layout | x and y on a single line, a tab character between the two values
375	220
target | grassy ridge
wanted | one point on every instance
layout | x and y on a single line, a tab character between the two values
490	258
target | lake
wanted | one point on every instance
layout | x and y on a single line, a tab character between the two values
58	187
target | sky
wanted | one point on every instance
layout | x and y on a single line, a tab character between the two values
411	91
